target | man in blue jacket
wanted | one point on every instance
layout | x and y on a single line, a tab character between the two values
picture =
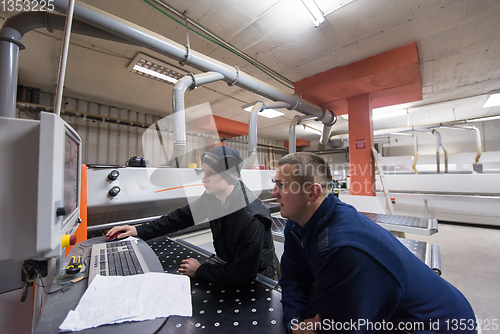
342	272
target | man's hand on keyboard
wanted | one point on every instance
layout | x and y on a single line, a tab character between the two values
188	267
121	232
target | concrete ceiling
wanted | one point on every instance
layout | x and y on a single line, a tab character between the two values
458	43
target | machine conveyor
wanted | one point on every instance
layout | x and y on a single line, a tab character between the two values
428	253
406	224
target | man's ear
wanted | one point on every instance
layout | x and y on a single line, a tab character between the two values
315	192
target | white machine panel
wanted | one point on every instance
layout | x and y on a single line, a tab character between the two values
463	198
146	192
39	186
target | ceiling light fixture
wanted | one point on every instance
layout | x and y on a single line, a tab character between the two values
315	14
155	69
385	112
493	100
269	113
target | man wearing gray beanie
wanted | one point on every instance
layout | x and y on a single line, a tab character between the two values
240	224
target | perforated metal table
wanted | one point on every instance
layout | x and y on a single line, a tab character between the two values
406	224
255	308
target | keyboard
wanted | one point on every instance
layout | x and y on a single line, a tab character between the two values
119	258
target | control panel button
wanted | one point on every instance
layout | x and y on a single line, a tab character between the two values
113	175
114	191
68	240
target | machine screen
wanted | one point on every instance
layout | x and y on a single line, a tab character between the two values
70	175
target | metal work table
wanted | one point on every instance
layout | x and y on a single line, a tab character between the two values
57	305
428	253
251	309
406	224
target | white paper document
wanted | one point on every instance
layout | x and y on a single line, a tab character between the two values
116	299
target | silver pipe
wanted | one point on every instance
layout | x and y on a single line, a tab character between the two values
64	58
478	143
433	223
9	55
11	33
179	111
478	137
23	23
276	105
415	142
10	37
436	259
439	143
158	43
325	135
258	144
383	132
292	145
415	152
252	128
252	134
309	119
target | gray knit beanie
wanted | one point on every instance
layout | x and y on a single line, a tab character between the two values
226	161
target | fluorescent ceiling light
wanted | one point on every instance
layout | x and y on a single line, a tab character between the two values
384	112
152	73
269	113
493	100
155	69
315	14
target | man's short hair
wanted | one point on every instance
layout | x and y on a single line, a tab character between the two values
309	168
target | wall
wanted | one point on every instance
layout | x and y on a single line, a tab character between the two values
106	143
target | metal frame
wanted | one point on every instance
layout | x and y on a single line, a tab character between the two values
406	224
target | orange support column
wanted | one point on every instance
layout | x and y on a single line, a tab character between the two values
361	164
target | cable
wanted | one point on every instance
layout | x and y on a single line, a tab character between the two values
38	275
216	43
161	327
65	287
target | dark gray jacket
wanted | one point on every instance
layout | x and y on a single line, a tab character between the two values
242	237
